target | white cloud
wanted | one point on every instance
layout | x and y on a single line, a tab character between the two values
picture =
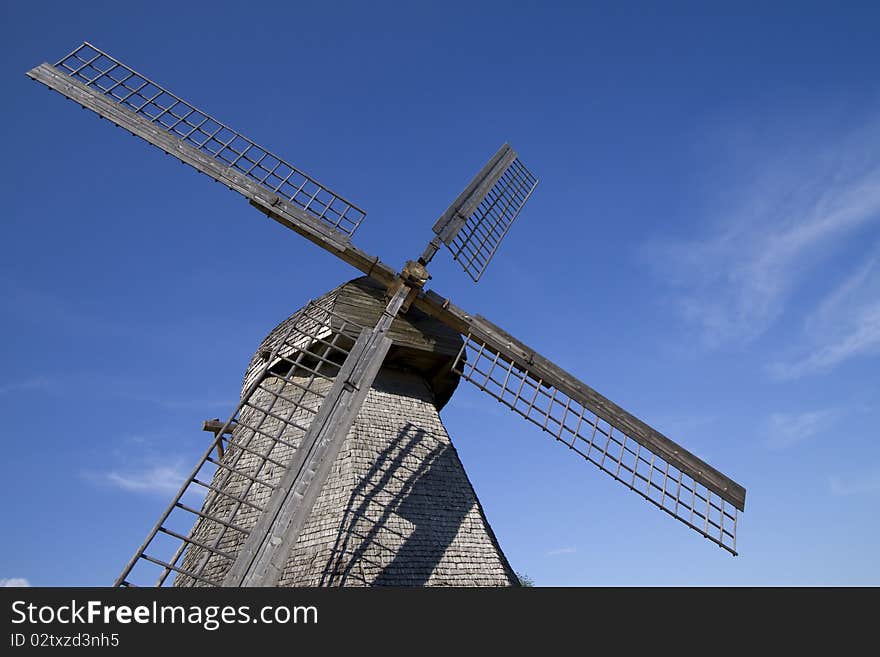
794	215
845	325
786	430
162	479
859	485
559	551
6	582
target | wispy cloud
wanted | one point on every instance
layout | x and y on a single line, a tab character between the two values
863	484
35	383
562	550
736	281
152	479
786	430
845	325
6	582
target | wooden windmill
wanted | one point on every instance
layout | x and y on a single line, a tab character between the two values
335	469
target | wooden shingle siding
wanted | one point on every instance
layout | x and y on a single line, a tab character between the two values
398	509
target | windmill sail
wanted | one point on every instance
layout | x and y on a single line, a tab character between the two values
618	443
132	101
476	222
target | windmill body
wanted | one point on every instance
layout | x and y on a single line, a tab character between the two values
397	508
334	468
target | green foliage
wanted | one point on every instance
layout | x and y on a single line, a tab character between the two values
524	580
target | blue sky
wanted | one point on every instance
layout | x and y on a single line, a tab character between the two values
703	248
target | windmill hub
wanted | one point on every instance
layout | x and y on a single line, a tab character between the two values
415	273
413	277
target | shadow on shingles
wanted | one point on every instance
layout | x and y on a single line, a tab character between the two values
415	499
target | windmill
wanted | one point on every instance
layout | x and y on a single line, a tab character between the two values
334	469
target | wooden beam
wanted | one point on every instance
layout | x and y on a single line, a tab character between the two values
369	265
215	426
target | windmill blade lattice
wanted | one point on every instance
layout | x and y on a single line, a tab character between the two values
476	222
201	533
645	461
235	155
